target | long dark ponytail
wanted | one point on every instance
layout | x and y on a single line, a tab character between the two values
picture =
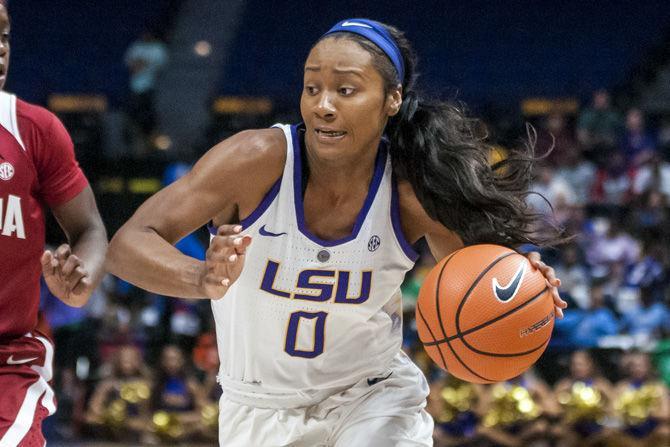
444	155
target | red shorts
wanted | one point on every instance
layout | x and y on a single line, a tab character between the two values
26	397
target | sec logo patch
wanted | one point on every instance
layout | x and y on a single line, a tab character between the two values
6	171
374	243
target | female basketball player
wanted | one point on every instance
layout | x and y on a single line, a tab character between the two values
309	331
38	169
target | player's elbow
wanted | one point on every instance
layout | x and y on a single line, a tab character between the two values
117	246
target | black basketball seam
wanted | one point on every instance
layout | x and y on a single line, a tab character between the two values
439	319
450	348
493	354
460	307
462	304
421	313
418	309
489	322
472	287
437	292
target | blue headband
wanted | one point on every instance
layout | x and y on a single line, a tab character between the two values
375	33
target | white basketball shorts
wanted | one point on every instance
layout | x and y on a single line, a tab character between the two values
383	411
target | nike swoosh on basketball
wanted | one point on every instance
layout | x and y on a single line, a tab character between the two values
11	361
356	24
506	293
263	232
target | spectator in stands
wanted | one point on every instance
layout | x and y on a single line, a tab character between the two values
456	407
556	135
612	249
599	128
598	321
585	396
654	175
119	323
552	196
579	173
614	181
650	271
119	405
562	335
574	274
145	58
642	405
579	224
549	186
206	362
638	144
524	422
650	215
176	399
648	318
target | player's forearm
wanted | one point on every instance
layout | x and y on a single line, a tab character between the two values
145	259
91	248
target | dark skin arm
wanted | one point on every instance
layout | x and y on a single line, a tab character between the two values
230	179
74	270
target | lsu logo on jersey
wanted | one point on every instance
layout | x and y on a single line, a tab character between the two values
313	285
319	285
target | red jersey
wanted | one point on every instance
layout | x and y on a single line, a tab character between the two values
37	169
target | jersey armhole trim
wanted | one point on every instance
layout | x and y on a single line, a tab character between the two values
397	227
265	203
258	212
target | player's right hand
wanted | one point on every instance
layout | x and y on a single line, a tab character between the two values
66	276
224	261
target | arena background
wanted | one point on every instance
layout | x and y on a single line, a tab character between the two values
235	64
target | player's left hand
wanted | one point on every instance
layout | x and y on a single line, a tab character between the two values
552	282
65	275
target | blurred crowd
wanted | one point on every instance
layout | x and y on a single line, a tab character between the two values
606	181
137	367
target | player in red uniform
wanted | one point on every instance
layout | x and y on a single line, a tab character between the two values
37	169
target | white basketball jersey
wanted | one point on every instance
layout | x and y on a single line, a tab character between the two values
308	314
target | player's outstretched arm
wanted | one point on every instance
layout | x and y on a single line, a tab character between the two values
230	178
74	270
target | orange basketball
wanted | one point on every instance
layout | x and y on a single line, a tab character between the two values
485	314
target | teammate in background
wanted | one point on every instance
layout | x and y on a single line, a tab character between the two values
37	169
309	331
